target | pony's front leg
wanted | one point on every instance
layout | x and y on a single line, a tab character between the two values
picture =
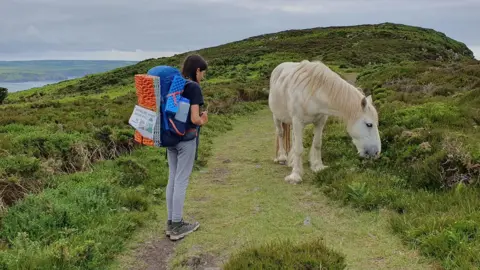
297	150
316	163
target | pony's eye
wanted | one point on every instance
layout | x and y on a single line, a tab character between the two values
369	125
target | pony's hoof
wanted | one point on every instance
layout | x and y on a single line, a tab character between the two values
281	160
318	167
293	178
276	161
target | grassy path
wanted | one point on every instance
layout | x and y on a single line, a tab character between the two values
242	199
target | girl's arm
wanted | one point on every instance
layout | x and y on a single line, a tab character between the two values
195	115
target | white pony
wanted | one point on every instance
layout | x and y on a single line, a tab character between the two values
307	92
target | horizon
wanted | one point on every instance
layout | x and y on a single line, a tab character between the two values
474	49
149	55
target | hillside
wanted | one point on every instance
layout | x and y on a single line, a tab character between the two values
69	137
56	70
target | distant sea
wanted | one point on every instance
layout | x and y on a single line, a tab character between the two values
16	87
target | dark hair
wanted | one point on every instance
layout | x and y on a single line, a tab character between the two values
190	65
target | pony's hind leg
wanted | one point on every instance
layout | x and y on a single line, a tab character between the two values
316	163
290	154
297	150
281	156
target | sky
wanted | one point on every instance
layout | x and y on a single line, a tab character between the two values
140	29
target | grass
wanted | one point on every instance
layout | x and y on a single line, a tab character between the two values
441	225
85	218
432	136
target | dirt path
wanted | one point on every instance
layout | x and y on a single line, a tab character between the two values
242	198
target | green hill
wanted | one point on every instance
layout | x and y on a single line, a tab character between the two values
63	142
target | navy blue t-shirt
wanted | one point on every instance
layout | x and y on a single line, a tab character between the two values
192	92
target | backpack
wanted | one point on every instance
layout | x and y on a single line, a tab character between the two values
164	85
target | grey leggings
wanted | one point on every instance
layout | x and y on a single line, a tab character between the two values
180	164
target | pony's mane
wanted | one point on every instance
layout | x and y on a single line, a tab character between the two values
345	97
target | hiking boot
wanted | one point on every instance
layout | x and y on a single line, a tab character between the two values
182	228
168	231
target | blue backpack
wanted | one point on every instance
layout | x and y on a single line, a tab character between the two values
169	131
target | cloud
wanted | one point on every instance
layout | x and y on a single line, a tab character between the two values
342	6
91	28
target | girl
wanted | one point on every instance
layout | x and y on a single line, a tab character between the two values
181	157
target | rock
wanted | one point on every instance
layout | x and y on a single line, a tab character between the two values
307	222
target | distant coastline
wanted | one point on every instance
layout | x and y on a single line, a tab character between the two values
54	70
22	86
24	78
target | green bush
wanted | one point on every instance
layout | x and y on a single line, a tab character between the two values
3	94
132	173
287	255
21	165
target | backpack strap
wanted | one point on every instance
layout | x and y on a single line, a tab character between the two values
188	81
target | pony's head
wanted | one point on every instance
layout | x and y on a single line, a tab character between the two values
364	130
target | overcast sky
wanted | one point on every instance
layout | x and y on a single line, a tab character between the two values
139	29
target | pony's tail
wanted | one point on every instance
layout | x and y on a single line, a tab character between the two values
287	144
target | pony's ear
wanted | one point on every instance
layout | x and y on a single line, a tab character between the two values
366	100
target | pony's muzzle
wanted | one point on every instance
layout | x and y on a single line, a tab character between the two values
372	152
